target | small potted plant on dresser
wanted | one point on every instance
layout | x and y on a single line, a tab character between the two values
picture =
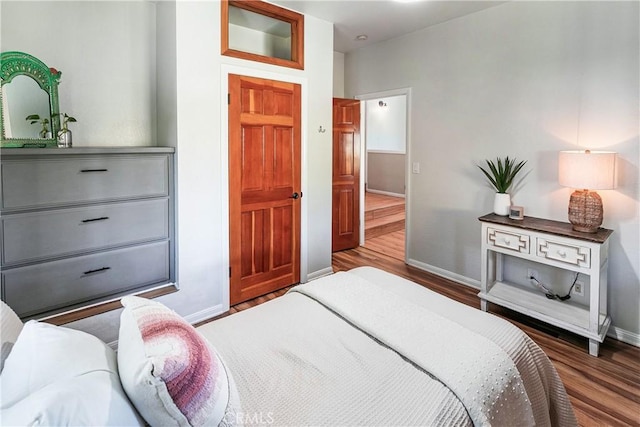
64	134
44	122
501	174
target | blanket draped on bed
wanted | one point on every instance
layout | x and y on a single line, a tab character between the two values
487	383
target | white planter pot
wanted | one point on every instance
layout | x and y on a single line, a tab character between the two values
501	204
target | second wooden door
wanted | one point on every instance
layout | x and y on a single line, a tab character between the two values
346	174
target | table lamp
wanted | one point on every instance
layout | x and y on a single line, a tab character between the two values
585	171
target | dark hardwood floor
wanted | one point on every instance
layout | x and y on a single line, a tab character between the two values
604	391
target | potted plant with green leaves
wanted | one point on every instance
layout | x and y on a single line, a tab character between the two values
44	121
64	134
501	174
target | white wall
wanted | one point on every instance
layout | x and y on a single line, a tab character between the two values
386	126
386	173
106	53
386	143
191	94
317	152
338	74
166	74
519	79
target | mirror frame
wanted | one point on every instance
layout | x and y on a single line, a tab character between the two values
14	64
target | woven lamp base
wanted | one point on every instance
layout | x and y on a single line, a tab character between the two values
585	211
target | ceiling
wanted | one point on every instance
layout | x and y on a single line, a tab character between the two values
381	19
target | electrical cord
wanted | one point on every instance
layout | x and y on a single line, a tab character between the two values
550	294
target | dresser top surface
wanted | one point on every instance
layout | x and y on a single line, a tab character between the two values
19	152
557	228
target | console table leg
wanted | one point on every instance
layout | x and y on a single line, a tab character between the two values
484	305
594	347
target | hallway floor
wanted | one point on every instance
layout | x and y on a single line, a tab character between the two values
385	224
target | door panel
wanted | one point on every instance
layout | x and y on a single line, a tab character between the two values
282	161
346	174
253	158
345	155
253	228
264	172
282	221
346	223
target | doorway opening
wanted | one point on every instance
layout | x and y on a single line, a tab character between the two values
384	180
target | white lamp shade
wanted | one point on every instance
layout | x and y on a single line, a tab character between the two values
588	170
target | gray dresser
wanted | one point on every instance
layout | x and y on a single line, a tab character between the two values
84	225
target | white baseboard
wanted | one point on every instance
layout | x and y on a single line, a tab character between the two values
386	193
205	314
320	273
615	332
624	336
445	273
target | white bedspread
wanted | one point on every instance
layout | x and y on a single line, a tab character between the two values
296	362
488	383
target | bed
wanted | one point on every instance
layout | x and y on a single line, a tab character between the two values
363	347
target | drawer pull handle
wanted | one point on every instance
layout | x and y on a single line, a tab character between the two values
93	170
562	254
102	218
507	241
97	270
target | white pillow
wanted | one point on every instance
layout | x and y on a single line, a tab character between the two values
49	361
92	399
171	373
11	326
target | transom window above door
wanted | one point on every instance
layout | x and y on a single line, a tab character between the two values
263	32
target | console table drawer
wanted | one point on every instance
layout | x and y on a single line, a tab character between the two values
48	286
508	240
45	234
61	181
564	252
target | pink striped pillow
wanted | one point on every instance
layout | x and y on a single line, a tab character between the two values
171	373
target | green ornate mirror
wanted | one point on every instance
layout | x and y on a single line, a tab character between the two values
29	111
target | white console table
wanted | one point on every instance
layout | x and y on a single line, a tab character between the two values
555	244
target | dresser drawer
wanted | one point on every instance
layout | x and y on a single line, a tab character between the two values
45	234
48	286
31	183
508	240
564	252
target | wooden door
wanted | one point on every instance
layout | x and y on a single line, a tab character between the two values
346	174
264	186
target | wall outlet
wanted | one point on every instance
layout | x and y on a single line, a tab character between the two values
578	289
532	273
